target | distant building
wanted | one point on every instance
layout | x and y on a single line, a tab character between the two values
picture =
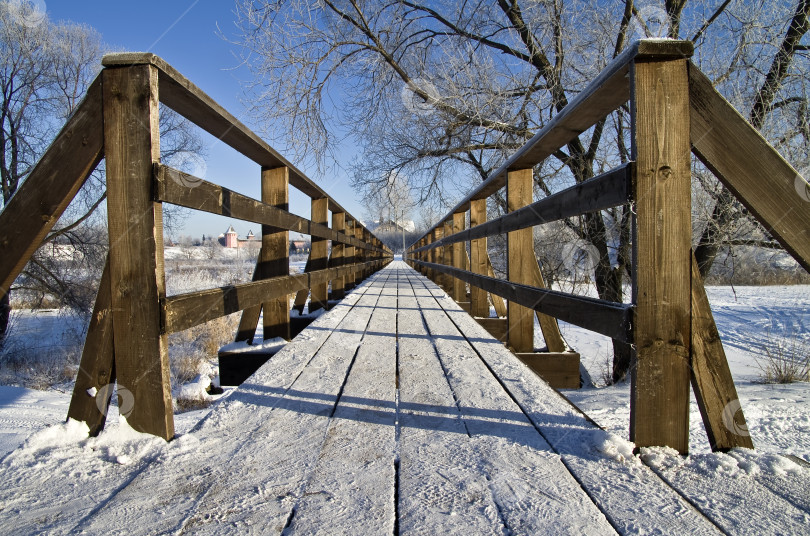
298	247
229	239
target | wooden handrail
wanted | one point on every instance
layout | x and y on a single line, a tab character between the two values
608	318
185	311
603	191
179	188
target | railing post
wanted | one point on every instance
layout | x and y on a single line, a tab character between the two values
520	253
348	256
478	259
339	225
659	402
318	258
459	288
274	257
438	255
137	280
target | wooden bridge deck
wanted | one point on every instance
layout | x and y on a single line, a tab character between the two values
393	413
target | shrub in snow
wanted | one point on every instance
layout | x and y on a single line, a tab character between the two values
786	360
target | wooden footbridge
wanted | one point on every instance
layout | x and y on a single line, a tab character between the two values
397	411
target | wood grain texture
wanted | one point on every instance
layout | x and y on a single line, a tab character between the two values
274	257
604	191
497	301
559	369
659	407
712	383
181	189
319	259
184	311
747	165
520	255
479	306
42	198
250	316
97	365
337	260
459	253
131	137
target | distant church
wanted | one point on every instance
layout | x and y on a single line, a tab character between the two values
229	239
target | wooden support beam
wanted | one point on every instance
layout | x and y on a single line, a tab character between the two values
42	198
337	260
548	324
479	306
711	378
497	301
93	388
274	257
250	317
137	281
349	253
659	402
521	261
747	165
459	257
318	258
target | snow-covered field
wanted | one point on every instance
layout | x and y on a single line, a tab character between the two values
748	318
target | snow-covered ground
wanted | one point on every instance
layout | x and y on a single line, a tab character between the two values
748	318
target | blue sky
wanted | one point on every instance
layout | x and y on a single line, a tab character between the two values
188	34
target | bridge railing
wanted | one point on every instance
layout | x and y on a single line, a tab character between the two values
674	111
127	340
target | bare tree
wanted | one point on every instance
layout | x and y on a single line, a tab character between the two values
444	91
45	70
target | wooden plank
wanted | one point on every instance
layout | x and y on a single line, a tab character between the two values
497	327
178	188
274	257
184	311
281	454
337	260
506	448
548	324
608	318
459	253
604	191
614	483
559	369
366	409
42	198
747	165
439	487
520	262
349	252
97	366
711	378
137	281
659	402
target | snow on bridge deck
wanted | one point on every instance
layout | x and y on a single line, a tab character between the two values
392	413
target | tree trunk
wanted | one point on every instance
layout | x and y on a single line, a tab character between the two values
5	315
